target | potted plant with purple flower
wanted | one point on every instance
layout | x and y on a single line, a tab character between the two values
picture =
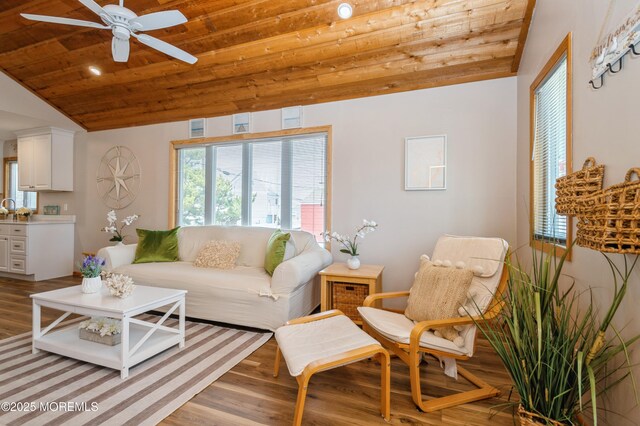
90	268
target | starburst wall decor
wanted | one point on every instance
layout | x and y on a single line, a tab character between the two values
118	177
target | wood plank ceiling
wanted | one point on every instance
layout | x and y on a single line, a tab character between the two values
258	54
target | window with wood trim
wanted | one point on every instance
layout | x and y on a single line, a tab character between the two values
22	198
274	181
550	96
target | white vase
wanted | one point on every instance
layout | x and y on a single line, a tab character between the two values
119	243
353	262
91	285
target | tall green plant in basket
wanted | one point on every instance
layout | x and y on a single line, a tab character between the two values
557	354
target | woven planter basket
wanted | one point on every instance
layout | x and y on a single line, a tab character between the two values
609	221
584	182
532	419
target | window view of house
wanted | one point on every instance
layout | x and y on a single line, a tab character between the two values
272	183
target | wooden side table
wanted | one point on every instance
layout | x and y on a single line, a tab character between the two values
345	289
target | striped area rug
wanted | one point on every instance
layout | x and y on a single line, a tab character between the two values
47	389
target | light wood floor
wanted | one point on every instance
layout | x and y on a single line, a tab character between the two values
249	395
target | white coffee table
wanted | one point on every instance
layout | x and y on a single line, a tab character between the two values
140	339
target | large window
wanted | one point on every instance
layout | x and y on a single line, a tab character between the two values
274	181
550	147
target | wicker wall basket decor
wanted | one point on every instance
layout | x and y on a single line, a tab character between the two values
586	181
609	221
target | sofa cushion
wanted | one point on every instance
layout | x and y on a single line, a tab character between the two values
157	246
218	254
185	275
253	241
275	250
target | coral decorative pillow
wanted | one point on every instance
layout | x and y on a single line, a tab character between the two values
218	254
437	293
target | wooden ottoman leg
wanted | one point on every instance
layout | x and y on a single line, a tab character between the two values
276	364
303	382
385	384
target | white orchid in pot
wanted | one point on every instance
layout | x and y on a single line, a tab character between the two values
113	228
350	243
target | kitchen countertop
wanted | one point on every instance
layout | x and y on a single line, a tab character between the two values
42	220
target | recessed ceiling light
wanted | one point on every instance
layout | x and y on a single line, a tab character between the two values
95	70
345	10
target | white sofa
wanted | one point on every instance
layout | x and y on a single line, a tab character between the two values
245	295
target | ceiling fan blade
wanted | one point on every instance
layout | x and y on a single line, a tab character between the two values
120	49
64	21
95	7
158	20
165	48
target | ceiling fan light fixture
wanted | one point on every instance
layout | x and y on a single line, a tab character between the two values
95	70
345	10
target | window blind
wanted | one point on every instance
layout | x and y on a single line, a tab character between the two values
550	153
275	182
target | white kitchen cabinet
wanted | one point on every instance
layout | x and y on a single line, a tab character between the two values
4	253
36	250
45	159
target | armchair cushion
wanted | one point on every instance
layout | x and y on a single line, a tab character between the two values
397	328
478	253
437	293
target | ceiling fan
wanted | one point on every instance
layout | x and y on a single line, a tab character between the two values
124	23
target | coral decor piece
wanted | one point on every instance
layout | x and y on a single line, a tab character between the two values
120	285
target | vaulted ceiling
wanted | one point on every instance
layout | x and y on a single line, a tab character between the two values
258	54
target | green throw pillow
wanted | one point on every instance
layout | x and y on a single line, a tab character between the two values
275	250
157	246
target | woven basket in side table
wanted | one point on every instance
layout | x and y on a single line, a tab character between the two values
347	297
609	221
584	182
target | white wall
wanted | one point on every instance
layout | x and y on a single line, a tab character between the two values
368	170
15	99
603	127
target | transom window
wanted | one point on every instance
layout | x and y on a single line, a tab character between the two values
276	182
550	147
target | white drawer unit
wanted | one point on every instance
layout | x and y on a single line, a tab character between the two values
18	245
19	230
36	250
18	264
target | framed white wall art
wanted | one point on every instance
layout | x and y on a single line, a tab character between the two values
197	128
292	117
425	163
242	123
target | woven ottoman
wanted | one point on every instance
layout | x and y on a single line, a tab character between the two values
324	341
